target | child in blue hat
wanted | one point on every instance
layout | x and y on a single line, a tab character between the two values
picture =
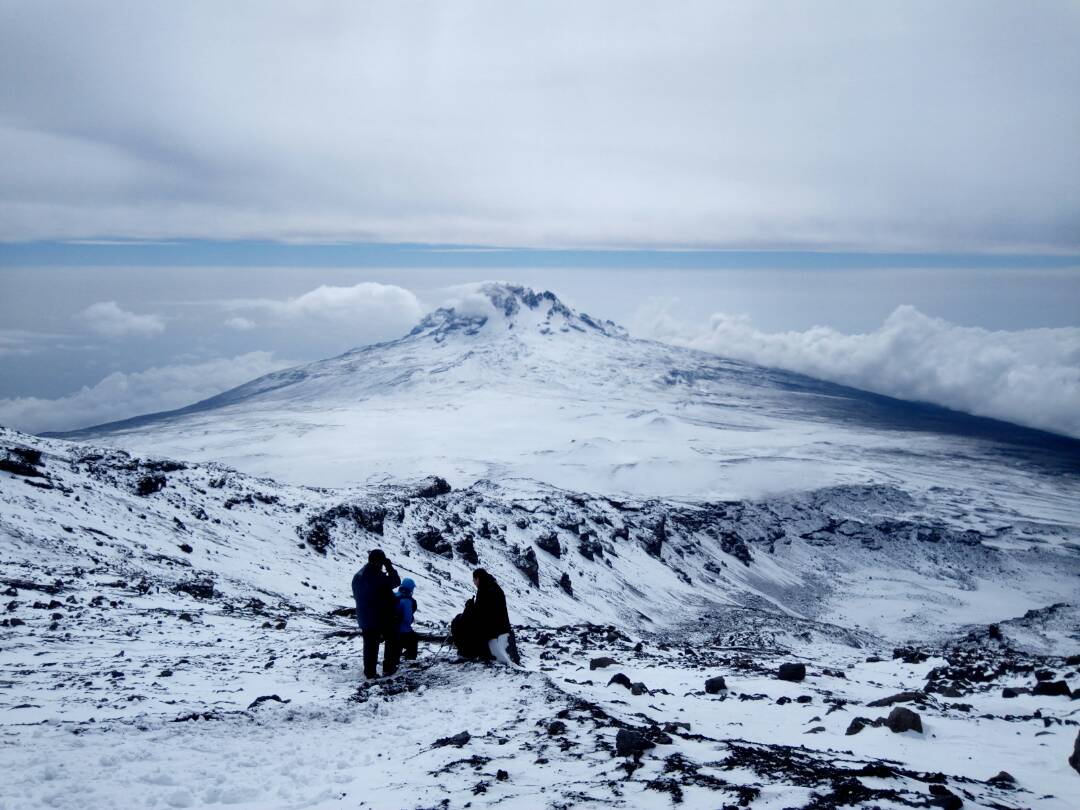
406	609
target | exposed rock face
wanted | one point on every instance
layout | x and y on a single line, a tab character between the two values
565	584
526	562
432	540
550	543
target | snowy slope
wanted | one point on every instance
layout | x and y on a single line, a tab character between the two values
151	603
176	627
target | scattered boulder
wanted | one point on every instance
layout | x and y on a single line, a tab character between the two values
1074	760
149	484
589	547
631	743
550	543
903	719
901	697
457	740
1052	689
1005	779
186	548
432	487
620	679
264	698
943	797
1011	692
525	561
601	662
555	728
203	589
715	685
638	688
791	672
856	725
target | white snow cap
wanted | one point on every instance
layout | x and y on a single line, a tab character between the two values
500	306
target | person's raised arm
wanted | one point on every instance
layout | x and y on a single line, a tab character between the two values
393	579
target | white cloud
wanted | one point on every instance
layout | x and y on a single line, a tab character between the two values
1030	377
122	395
240	324
369	306
107	318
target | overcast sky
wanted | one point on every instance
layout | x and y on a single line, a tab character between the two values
194	193
874	125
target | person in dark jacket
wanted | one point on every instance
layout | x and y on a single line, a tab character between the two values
376	612
492	622
406	609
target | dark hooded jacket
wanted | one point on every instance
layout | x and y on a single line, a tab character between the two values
376	604
489	610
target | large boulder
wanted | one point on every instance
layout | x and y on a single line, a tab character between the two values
902	719
601	662
1052	689
630	743
791	672
1074	760
550	543
716	685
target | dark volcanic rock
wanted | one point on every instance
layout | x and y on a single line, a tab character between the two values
525	561
1011	692
1006	779
1052	689
589	547
620	679
264	698
638	688
555	728
1074	760
856	725
791	672
901	697
601	662
467	550
432	487
943	797
149	484
715	685
431	539
550	543
457	740
902	719
199	589
565	584
630	743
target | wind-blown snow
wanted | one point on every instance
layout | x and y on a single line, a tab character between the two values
1030	377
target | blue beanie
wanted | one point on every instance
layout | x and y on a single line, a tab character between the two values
407	585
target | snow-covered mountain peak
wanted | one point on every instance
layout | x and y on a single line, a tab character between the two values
495	308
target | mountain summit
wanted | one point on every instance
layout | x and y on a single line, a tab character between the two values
509	382
493	307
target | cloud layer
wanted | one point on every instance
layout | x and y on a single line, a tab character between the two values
120	395
1030	377
109	319
761	123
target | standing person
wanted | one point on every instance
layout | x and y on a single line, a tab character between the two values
376	612
406	609
492	620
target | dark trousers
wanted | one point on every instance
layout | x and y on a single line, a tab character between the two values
408	645
391	653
